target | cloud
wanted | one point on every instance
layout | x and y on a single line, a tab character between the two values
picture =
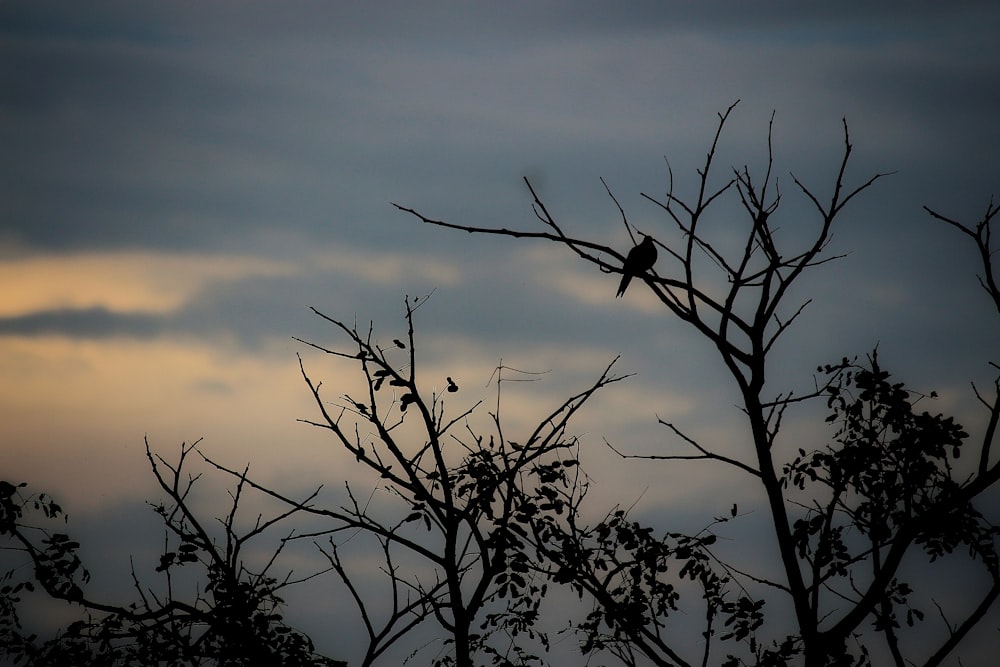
82	322
138	282
146	294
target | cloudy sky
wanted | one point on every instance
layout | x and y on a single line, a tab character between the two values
181	181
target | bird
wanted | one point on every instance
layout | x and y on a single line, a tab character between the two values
639	260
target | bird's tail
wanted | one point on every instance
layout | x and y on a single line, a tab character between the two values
623	285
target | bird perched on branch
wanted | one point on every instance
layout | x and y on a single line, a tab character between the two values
639	260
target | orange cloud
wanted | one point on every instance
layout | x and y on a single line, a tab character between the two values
134	281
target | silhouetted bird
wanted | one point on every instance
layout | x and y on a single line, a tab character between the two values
639	260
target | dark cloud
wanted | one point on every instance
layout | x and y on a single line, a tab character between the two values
138	126
101	22
80	323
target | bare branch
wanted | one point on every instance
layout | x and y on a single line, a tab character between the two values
704	453
981	234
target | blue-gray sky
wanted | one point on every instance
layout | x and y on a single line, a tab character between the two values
181	180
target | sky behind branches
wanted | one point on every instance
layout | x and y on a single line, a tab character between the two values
181	181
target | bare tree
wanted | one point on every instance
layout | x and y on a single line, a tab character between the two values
464	501
834	585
